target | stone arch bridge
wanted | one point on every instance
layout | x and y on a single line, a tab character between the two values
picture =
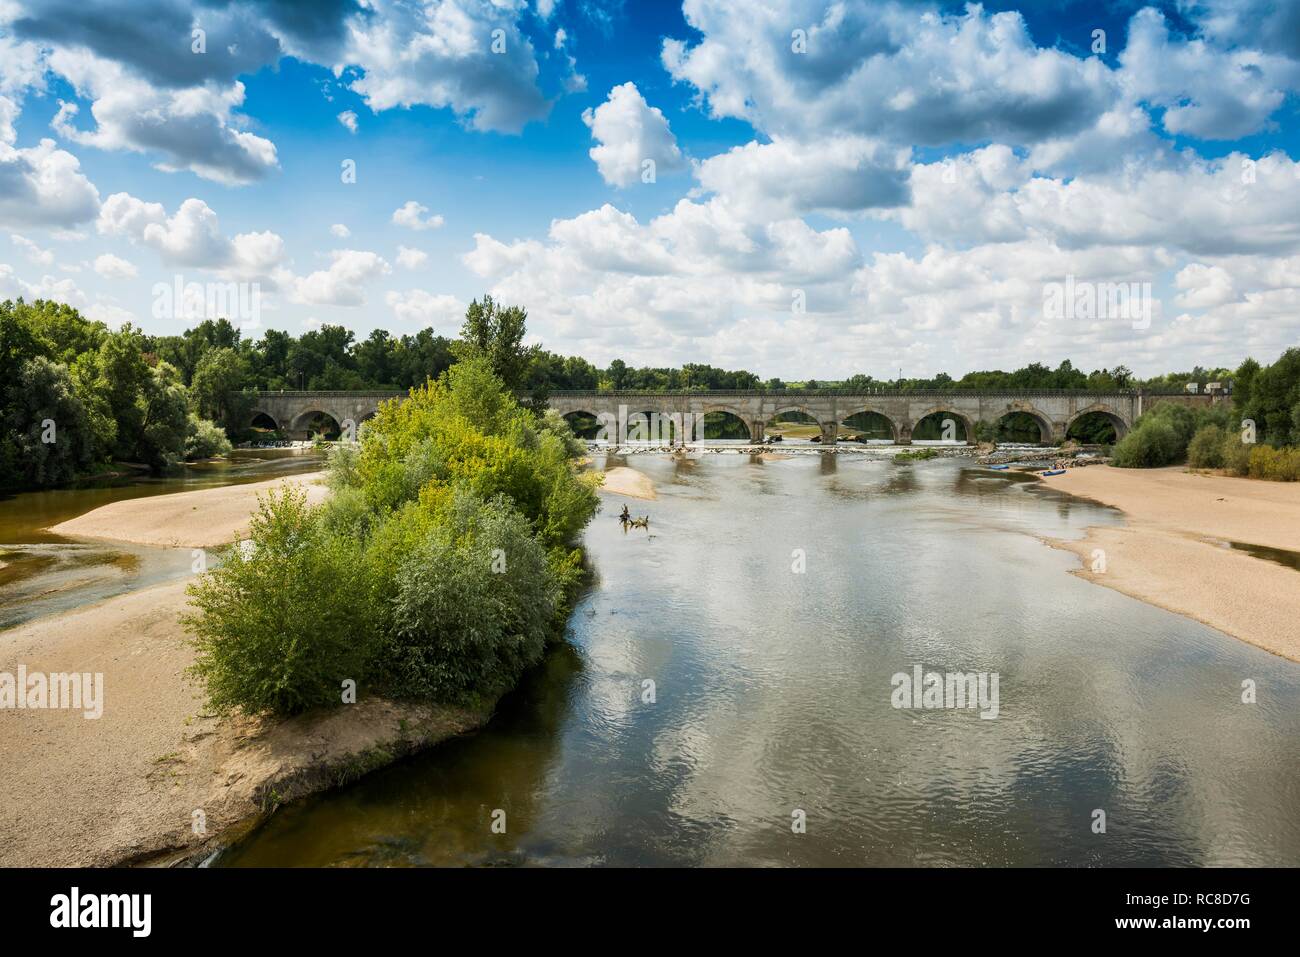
1054	411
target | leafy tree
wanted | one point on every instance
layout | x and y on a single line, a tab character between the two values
220	389
279	627
496	333
45	426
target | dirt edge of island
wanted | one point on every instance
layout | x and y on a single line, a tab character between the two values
155	780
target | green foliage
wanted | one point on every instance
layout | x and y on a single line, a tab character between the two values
1271	399
916	455
465	429
1205	451
45	435
496	333
279	627
474	606
220	391
448	543
1274	464
1162	435
1151	444
204	439
1235	454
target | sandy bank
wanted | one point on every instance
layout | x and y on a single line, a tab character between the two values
628	482
124	788
204	518
1161	556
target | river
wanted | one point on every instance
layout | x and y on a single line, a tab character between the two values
42	573
772	695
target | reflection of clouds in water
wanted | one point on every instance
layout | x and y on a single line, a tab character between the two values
774	693
1075	731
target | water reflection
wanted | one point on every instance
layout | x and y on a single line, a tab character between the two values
772	694
44	573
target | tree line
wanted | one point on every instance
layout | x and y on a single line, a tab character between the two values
159	400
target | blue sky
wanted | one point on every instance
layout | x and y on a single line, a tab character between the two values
838	187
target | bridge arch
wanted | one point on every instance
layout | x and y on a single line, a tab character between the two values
869	410
1110	414
967	425
584	423
312	420
717	408
261	419
1046	431
827	426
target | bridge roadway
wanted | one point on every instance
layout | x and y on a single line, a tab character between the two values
619	412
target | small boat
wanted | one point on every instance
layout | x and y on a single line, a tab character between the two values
1053	472
1000	468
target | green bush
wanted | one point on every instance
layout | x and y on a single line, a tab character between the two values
438	569
1205	451
1153	443
1274	464
915	455
1235	454
204	439
475	604
1162	436
280	626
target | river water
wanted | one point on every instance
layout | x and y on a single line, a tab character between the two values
772	696
42	573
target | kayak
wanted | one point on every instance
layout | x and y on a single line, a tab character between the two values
1000	468
1054	472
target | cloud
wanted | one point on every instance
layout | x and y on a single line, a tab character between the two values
1233	204
1273	25
341	231
416	305
629	132
12	286
349	120
192	129
841	175
344	282
1201	286
605	284
191	237
903	72
1205	91
409	258
8	115
155	37
35	254
469	56
114	267
44	186
413	215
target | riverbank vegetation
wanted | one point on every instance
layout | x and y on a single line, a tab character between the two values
155	400
75	396
1256	435
442	564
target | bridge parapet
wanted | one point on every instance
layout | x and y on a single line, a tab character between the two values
1053	410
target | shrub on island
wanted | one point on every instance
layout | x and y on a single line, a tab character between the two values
442	564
